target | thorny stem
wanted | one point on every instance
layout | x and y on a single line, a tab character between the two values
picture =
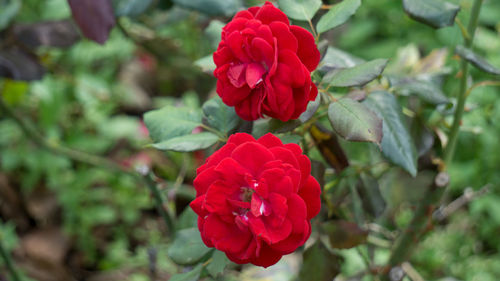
34	135
462	95
8	262
423	214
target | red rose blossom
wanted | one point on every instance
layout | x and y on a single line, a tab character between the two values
264	64
255	199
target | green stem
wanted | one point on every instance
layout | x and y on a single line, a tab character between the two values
462	95
165	214
33	134
8	262
407	241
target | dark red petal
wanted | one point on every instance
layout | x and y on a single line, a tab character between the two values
235	41
215	199
307	49
236	74
295	240
225	237
297	68
253	156
201	227
311	192
231	95
268	13
267	256
250	108
262	51
285	38
269	140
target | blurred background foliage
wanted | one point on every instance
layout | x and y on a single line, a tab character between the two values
70	221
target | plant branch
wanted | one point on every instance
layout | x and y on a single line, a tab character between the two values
34	135
8	262
469	195
462	95
407	241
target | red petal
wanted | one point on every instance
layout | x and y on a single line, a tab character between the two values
269	140
225	237
252	156
215	199
236	75
250	108
305	169
285	155
267	256
311	192
285	38
262	51
279	207
231	95
268	13
220	154
243	14
197	206
254	72
298	77
223	56
307	49
231	172
204	179
265	33
235	40
240	138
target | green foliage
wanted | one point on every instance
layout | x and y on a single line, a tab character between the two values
434	13
397	144
355	122
337	15
357	75
300	9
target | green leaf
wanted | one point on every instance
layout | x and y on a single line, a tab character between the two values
336	58
206	64
219	116
188	142
300	9
397	144
264	126
312	107
354	121
344	234
371	197
476	60
356	76
8	10
187	248
212	7
435	13
427	91
131	8
218	263
192	275
171	121
187	219
337	15
319	264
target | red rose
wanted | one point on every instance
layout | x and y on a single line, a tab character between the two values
264	64
255	199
